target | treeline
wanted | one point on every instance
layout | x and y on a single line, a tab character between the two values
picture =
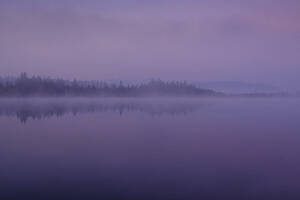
37	86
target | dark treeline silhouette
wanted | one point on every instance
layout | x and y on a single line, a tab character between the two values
37	86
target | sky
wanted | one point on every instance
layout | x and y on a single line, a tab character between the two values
205	40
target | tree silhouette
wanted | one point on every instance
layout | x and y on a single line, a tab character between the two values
35	85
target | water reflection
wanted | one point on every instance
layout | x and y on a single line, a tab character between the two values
233	149
38	109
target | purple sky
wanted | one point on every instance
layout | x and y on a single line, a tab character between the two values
208	40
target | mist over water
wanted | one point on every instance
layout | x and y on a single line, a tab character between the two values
43	108
149	100
163	148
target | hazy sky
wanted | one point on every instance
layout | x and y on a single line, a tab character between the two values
205	40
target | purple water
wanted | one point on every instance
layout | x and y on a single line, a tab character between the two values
150	149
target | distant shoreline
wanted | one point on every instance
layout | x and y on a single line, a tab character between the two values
35	86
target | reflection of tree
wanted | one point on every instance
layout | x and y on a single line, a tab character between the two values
38	110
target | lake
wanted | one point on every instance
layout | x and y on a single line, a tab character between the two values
222	148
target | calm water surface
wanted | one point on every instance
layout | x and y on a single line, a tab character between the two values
150	149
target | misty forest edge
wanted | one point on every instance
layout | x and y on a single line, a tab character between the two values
25	86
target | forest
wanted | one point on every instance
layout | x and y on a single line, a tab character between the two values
24	85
